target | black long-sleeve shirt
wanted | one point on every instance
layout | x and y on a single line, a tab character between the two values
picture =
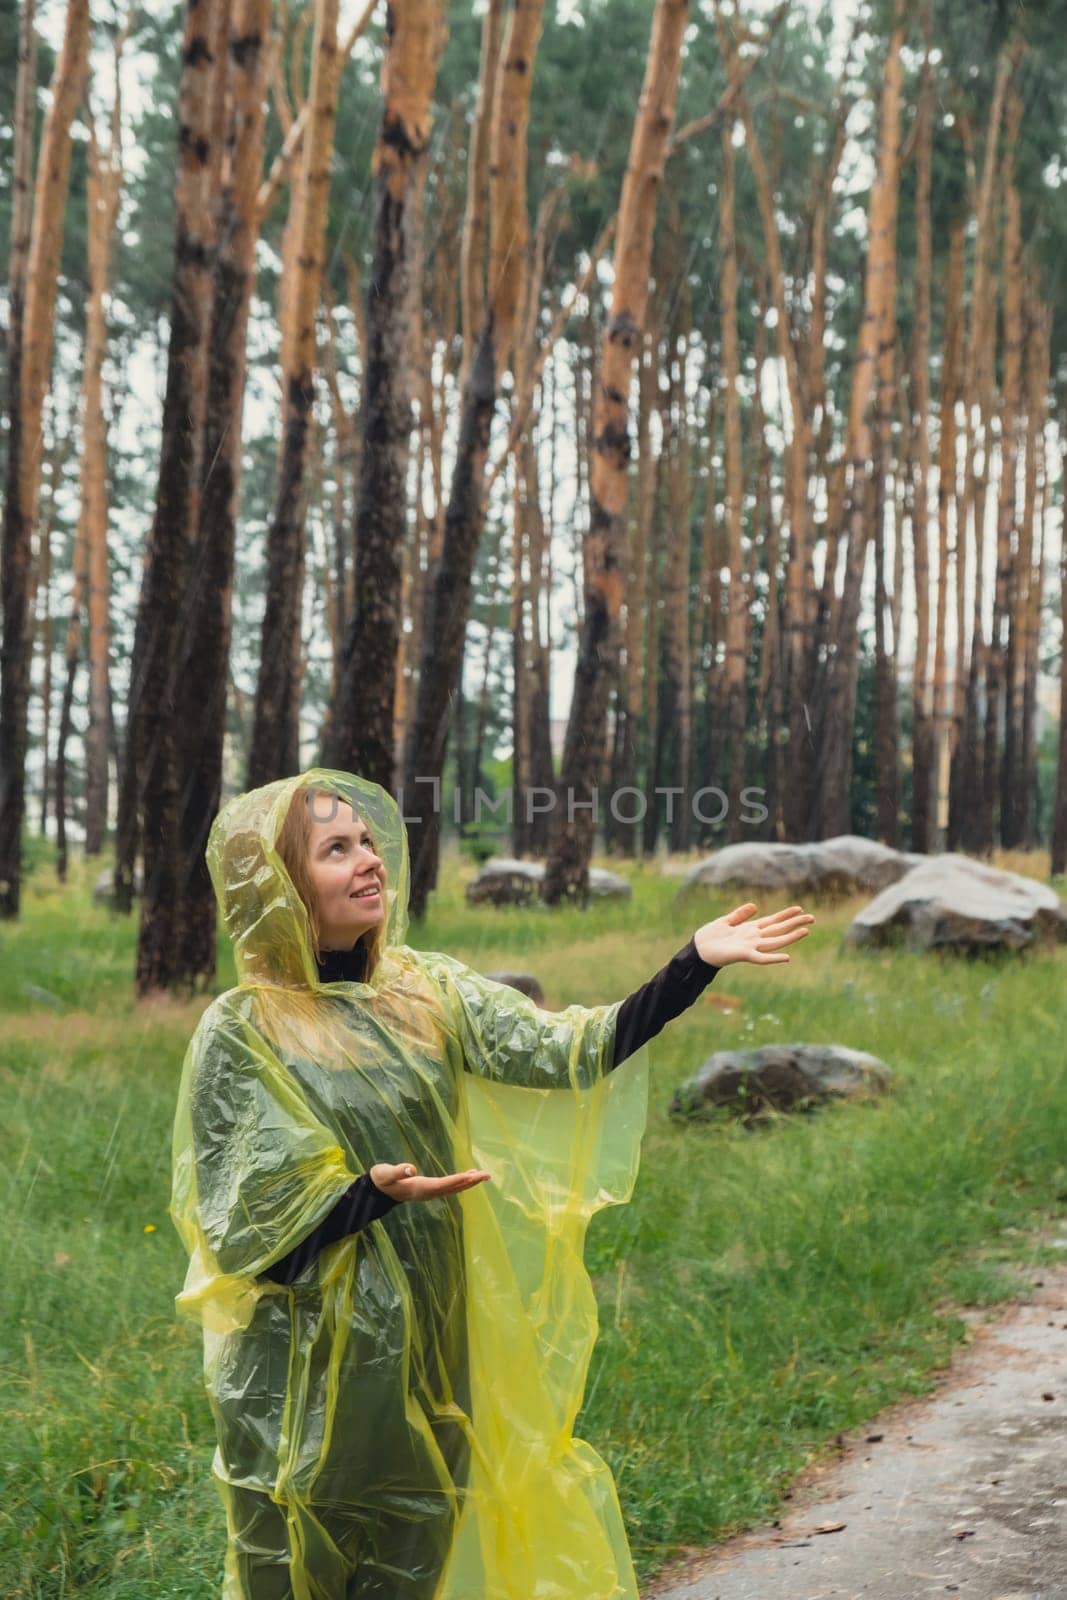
641	1016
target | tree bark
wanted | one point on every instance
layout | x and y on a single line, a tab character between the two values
736	632
1002	711
567	868
275	750
923	823
152	740
362	726
450	590
29	363
945	722
205	644
830	812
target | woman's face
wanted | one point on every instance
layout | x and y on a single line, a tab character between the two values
348	878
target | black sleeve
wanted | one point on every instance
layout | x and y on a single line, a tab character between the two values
362	1203
673	989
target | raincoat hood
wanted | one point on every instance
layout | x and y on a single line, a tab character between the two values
396	1423
261	910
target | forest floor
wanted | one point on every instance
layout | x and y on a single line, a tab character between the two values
763	1292
963	1492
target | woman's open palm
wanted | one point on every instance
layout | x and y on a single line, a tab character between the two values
734	937
404	1183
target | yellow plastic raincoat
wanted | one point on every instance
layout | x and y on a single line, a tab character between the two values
396	1425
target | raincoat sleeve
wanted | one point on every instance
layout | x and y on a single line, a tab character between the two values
254	1170
505	1037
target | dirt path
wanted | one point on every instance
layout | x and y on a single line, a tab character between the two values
961	1493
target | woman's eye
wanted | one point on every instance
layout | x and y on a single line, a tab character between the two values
337	845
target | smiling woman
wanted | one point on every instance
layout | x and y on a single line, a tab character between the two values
394	1384
328	852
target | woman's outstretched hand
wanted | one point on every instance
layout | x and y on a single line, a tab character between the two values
403	1182
735	938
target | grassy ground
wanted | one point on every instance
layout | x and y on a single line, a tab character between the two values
762	1291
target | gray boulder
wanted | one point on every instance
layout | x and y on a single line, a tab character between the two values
842	866
506	882
103	888
525	982
779	1077
952	902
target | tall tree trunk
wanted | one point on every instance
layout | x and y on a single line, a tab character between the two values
1032	534
945	721
105	194
29	363
1001	774
886	733
1058	865
362	732
152	740
734	666
966	813
923	823
275	750
567	868
541	775
634	670
205	645
797	634
831	798
676	654
450	595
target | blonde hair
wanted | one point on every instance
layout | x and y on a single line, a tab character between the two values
294	847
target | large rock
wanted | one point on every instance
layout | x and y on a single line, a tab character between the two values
842	866
952	902
504	882
104	887
780	1077
524	982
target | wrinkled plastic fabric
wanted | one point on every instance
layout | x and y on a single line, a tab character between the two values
396	1425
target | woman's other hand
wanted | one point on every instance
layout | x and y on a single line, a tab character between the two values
735	938
403	1182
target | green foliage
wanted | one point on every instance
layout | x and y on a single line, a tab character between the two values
761	1291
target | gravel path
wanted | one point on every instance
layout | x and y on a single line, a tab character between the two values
961	1493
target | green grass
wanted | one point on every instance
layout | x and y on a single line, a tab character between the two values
763	1290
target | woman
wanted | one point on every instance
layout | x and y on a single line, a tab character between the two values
394	1384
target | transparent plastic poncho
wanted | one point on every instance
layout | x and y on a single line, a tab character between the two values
397	1423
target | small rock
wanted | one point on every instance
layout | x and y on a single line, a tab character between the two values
503	881
780	1077
43	997
525	982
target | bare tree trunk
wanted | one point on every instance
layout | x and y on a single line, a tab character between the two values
362	732
676	655
1058	864
886	734
33	278
734	666
205	643
1001	775
567	868
152	739
275	750
634	672
945	722
831	807
105	179
967	812
1038	372
450	597
923	824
